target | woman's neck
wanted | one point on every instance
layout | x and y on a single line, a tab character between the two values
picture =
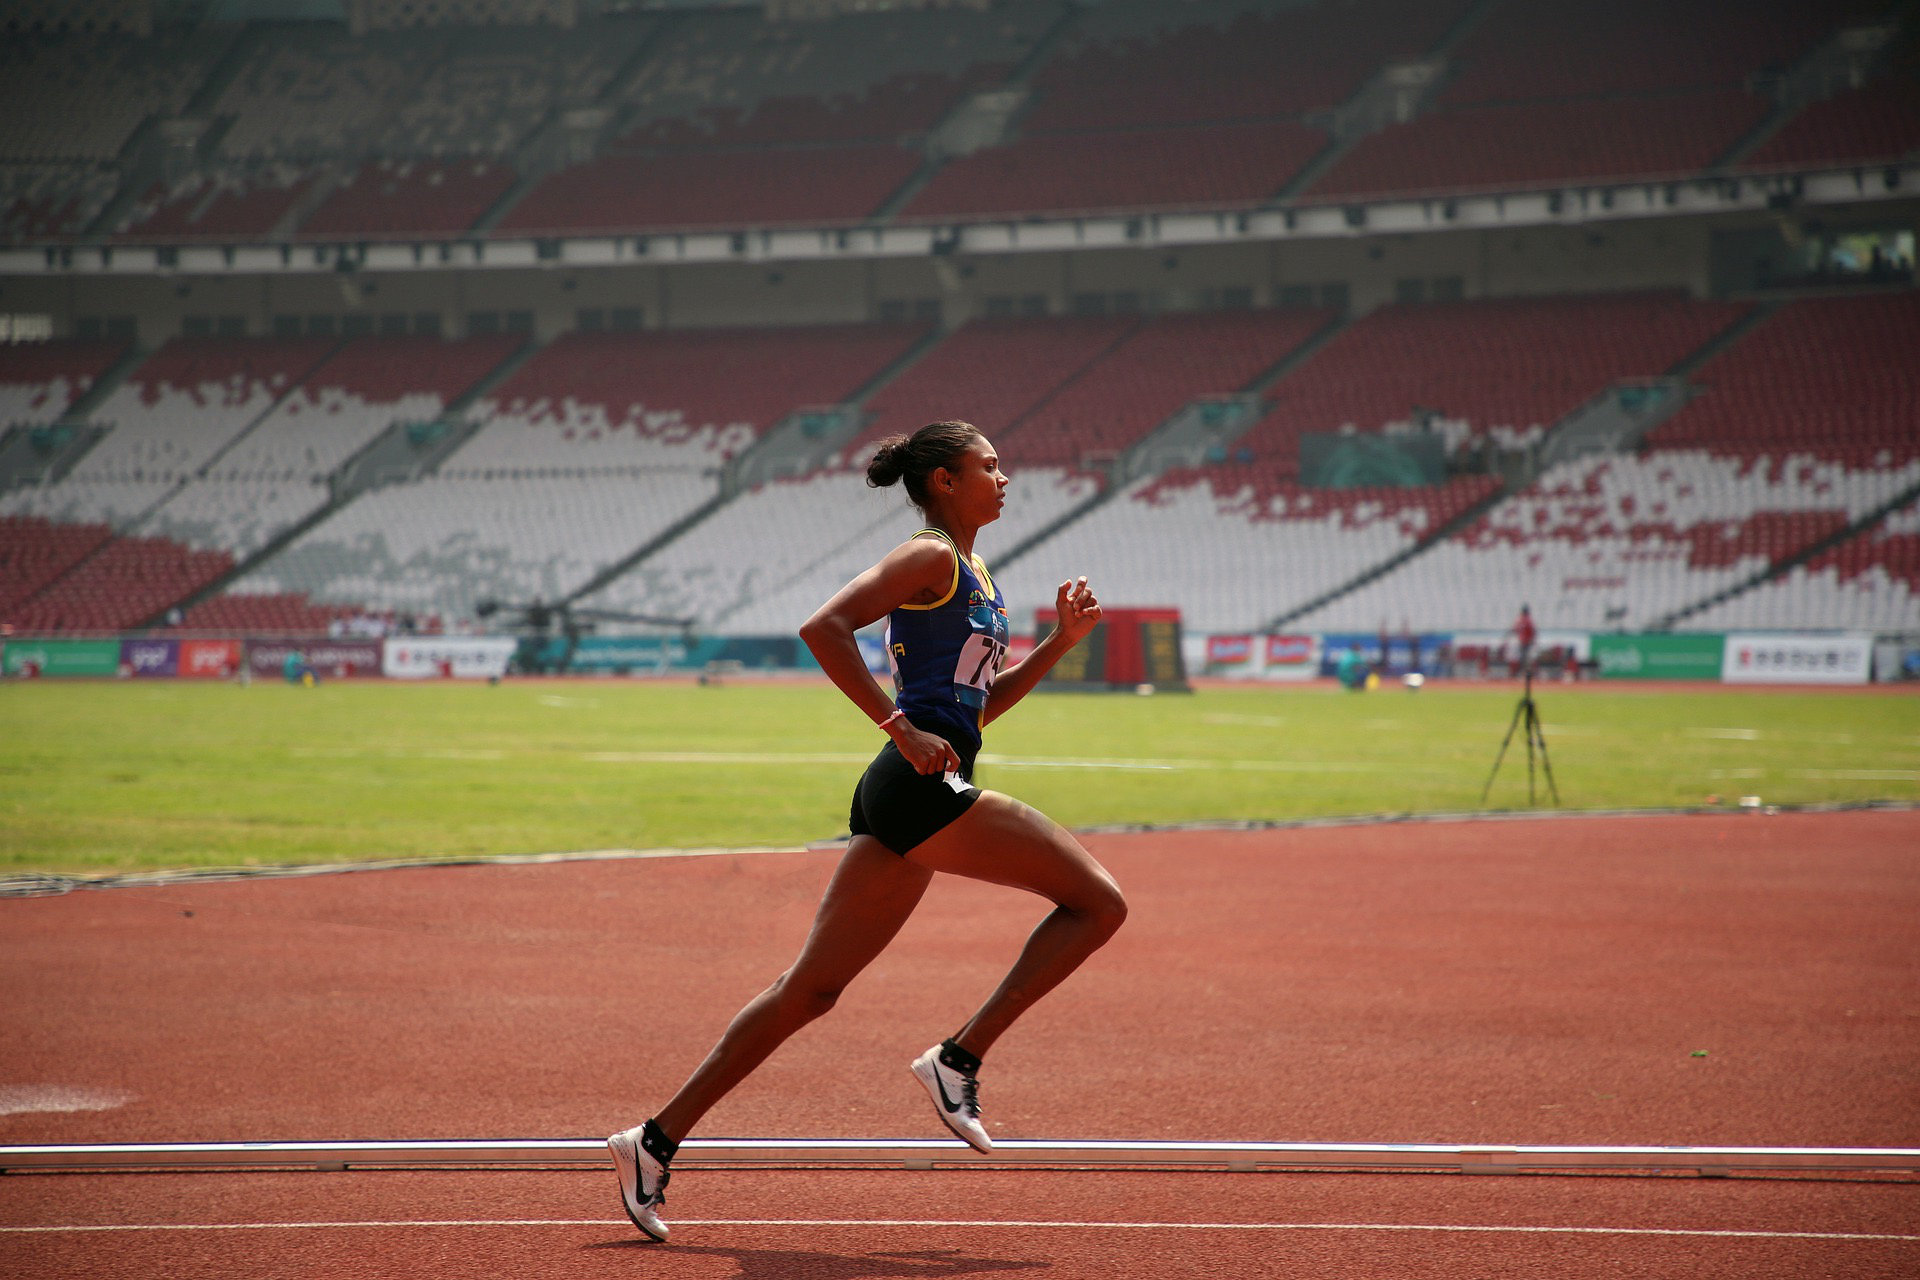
962	535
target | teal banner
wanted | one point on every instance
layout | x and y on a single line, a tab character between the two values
1659	656
62	657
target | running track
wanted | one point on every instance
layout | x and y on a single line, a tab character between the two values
1533	982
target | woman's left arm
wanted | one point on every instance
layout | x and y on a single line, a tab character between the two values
1078	613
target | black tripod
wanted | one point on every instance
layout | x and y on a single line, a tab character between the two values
1528	712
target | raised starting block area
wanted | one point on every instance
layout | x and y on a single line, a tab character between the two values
841	1153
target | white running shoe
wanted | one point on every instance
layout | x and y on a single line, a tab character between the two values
643	1182
956	1096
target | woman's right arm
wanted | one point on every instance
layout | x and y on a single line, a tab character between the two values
916	571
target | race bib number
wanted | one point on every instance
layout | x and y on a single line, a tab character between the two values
981	658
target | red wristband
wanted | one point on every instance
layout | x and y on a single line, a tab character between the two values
886	724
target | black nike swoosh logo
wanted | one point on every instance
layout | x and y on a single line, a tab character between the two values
940	1086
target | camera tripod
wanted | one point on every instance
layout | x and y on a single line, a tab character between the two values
1525	711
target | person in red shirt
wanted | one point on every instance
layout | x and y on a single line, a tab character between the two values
1524	632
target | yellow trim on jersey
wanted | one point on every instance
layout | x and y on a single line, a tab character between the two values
951	586
980	567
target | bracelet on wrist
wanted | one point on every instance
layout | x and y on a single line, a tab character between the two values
886	726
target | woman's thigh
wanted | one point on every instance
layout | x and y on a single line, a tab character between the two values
1003	841
872	893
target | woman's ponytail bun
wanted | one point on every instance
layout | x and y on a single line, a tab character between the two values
889	462
916	457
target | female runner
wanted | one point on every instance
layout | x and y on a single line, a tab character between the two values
915	810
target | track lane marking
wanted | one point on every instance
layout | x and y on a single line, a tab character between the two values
977	1224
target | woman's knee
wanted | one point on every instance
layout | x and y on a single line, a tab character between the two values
805	1000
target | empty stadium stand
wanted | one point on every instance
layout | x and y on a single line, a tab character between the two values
121	584
1500	370
766	560
1869	582
190	398
1233	547
407	197
684	190
362	388
991	373
1200	167
1139	62
1622	542
35	552
443	544
688	400
1167	362
240	203
40	381
1834	377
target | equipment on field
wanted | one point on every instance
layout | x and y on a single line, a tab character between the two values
1525	711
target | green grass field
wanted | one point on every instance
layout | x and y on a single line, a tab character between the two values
102	777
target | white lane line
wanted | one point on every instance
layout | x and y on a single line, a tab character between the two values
979	1224
1861	775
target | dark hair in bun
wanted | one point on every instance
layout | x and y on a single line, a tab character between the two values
913	458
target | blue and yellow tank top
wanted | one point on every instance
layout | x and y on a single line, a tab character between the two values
945	655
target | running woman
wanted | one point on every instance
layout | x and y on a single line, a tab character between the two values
915	810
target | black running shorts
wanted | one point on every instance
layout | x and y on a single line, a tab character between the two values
901	807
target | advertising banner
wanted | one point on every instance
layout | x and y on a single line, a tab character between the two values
462	657
1295	657
1229	651
1678	656
209	659
621	655
1761	659
62	657
150	658
336	658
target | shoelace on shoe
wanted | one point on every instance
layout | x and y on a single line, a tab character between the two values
970	1096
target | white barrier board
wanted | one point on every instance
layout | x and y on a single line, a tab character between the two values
1774	659
463	657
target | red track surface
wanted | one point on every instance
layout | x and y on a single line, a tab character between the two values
1515	982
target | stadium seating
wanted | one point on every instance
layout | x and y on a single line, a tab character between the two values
729	78
40	381
1586	48
81	96
364	387
1876	123
35	552
1146	62
1212	166
766	560
1500	370
122	584
242	203
444	544
1835	377
1622	542
1504	146
287	612
404	197
190	399
1232	547
1168	362
687	400
51	201
991	373
687	190
1871	582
